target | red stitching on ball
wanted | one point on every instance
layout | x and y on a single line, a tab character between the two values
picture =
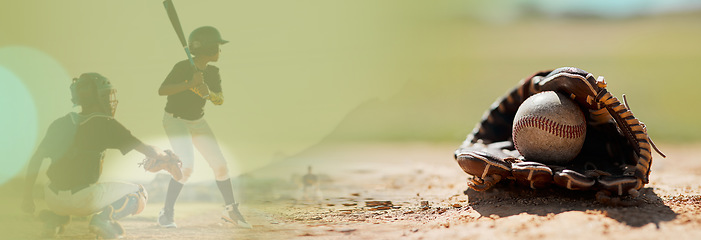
560	130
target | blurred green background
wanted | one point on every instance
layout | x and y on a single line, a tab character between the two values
300	73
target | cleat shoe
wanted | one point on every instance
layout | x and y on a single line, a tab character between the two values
53	224
50	231
118	229
166	219
233	215
105	228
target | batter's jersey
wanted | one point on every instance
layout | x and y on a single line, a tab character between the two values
187	104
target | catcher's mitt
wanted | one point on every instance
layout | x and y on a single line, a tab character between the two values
615	158
172	165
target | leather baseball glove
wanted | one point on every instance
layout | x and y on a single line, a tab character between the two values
171	164
615	158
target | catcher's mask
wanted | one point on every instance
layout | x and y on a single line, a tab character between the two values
93	88
205	41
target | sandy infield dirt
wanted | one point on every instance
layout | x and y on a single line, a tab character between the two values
407	174
426	190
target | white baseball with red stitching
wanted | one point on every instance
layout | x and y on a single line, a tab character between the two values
549	128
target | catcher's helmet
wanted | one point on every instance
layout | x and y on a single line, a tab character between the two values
93	88
205	40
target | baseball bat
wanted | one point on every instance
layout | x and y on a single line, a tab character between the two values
175	21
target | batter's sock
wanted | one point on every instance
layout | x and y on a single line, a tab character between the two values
227	191
174	188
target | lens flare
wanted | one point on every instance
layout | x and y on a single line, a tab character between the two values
18	125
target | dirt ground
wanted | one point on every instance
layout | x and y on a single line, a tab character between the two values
407	174
428	201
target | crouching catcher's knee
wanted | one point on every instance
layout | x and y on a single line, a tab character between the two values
131	204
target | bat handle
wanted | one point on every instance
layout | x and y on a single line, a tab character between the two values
189	56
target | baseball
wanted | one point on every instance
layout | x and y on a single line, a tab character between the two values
549	128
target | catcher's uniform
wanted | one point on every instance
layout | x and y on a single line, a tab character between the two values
183	119
77	164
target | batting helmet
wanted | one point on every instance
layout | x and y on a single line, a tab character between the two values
205	40
93	88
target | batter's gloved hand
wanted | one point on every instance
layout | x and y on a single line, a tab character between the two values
217	98
198	86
